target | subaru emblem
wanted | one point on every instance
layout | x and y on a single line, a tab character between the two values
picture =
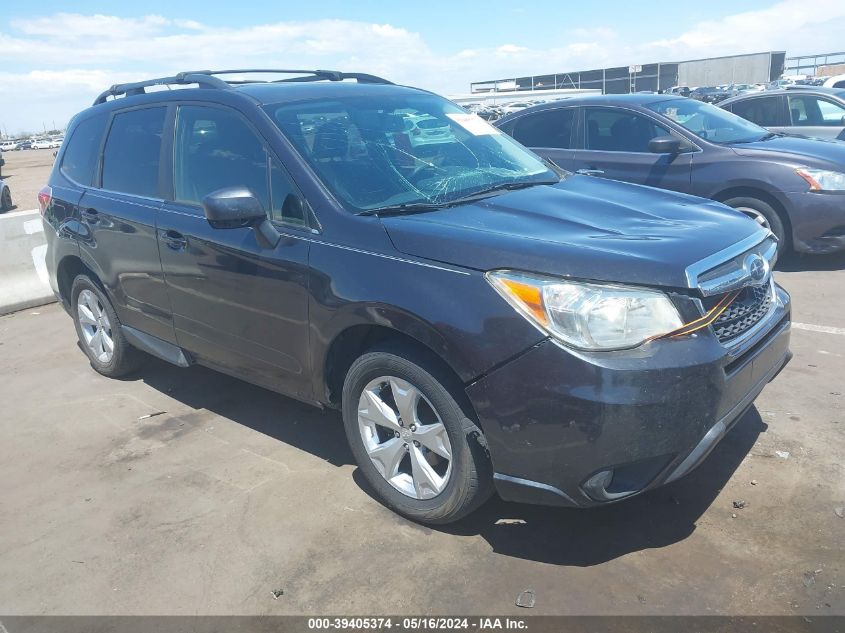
756	267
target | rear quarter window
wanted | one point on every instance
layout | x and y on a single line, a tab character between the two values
79	161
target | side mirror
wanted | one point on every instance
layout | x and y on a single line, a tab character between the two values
237	207
664	145
232	208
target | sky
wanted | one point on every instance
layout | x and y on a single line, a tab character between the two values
58	55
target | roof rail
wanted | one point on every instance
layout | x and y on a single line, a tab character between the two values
208	79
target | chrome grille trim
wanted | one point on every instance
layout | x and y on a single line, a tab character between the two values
733	280
738	272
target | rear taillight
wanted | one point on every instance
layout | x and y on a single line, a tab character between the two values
44	198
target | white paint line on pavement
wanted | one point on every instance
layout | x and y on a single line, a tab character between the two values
824	329
33	226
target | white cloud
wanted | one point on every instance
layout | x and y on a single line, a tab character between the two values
792	25
66	59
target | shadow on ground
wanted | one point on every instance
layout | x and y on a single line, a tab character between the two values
551	535
798	262
301	425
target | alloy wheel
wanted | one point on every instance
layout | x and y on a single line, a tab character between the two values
404	437
95	326
755	215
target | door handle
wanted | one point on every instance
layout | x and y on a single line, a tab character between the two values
91	216
174	240
590	172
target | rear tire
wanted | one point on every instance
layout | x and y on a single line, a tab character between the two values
393	451
764	214
98	329
6	200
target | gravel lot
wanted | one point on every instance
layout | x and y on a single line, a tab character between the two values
188	492
26	172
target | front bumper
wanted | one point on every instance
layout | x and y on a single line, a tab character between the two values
582	429
818	221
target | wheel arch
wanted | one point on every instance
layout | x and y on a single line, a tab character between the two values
355	340
69	268
749	191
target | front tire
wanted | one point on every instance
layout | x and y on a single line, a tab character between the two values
413	442
6	200
764	214
98	329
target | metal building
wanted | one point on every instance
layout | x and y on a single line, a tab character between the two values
751	68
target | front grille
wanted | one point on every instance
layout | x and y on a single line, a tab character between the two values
746	311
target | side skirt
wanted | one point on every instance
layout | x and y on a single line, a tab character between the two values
156	347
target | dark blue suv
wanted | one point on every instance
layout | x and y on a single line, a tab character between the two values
481	318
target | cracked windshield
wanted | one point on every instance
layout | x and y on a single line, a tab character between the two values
404	151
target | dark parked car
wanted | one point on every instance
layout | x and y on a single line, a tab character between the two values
480	318
5	196
792	186
816	112
710	94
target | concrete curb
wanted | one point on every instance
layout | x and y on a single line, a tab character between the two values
23	271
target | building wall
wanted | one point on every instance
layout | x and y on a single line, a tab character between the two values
753	68
745	69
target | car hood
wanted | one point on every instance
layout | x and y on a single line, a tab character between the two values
583	227
813	152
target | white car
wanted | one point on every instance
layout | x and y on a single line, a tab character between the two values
56	141
9	146
515	106
42	143
837	81
426	130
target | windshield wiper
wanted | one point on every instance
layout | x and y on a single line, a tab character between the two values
765	137
402	209
511	186
422	207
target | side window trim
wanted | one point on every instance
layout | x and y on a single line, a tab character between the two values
170	192
98	171
687	146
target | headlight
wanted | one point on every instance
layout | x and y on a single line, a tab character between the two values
822	180
586	315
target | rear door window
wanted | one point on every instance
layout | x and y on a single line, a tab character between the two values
613	130
760	110
133	151
548	128
79	161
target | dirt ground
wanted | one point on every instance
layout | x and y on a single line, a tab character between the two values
26	172
182	491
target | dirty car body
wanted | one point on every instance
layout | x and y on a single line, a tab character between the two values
433	248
